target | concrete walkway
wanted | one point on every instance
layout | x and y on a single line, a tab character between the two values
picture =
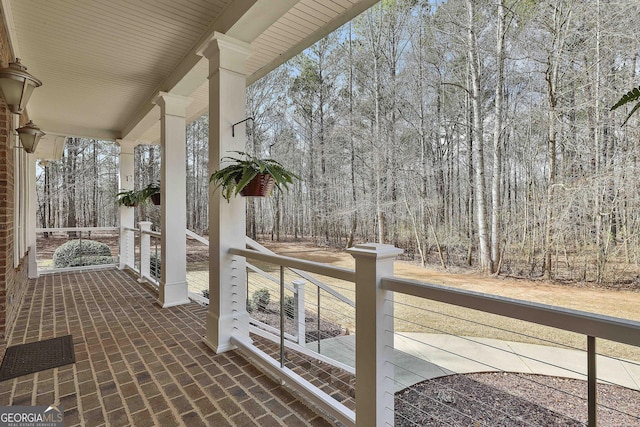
419	356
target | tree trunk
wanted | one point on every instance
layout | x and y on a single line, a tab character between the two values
560	20
479	175
497	138
354	197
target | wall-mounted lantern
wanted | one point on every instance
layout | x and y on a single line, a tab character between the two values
16	86
30	135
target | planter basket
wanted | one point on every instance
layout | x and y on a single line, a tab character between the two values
260	186
155	199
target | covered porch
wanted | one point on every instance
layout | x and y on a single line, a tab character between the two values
137	74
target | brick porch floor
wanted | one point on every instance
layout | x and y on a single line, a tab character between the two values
138	364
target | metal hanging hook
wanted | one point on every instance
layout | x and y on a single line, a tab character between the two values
233	130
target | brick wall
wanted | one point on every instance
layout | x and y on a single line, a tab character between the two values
13	281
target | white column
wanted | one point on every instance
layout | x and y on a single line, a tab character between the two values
227	273
32	219
126	182
173	192
374	334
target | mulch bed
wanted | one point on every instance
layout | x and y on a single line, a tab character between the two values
328	329
508	399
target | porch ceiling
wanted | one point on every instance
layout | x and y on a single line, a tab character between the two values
102	62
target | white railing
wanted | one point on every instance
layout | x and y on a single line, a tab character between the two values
299	285
252	244
280	366
376	337
377	340
144	257
592	326
308	294
49	239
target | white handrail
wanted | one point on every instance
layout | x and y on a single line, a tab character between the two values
68	229
197	237
310	266
257	246
268	276
152	233
595	325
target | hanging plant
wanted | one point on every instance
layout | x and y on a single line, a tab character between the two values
129	198
251	176
133	198
152	192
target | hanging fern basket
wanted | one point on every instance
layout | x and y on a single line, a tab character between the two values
251	176
155	199
260	186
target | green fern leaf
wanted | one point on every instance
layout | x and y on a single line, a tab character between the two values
632	95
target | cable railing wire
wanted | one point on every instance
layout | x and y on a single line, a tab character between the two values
333	312
539	339
485	344
492	367
319	368
489	346
490	326
432	415
508	351
257	281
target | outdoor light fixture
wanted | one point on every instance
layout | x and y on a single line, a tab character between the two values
17	85
30	135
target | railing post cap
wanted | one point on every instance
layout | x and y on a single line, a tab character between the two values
374	250
145	225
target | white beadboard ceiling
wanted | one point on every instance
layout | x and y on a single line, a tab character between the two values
103	61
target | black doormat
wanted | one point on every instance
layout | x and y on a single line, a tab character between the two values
37	356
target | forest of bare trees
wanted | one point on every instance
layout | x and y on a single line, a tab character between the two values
468	132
